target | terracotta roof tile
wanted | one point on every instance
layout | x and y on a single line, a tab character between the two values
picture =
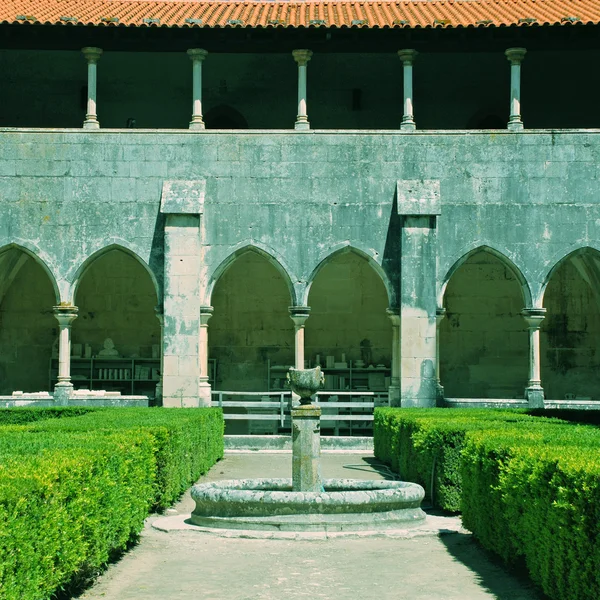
301	13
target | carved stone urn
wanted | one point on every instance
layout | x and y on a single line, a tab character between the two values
305	382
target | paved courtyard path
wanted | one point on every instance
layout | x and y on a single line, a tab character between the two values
189	564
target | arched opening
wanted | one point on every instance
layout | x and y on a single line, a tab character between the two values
251	329
116	338
570	332
224	117
483	339
348	331
28	328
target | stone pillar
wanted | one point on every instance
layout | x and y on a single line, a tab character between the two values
306	449
197	55
534	393
184	381
299	314
65	315
394	389
302	57
159	386
419	206
92	55
515	56
206	312
440	313
408	58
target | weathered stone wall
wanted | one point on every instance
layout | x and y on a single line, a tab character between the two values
532	197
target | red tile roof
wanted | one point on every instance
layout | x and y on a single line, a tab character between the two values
308	13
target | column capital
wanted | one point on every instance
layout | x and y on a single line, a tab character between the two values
206	312
92	55
533	317
515	55
394	315
302	56
197	54
407	56
65	314
299	314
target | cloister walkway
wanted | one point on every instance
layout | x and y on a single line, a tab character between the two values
185	564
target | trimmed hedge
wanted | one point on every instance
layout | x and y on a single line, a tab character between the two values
187	441
29	415
74	491
528	487
423	445
537	499
67	502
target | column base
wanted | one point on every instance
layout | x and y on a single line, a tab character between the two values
63	393
440	395
197	125
91	124
394	395
419	393
408	126
515	126
534	396
204	394
302	125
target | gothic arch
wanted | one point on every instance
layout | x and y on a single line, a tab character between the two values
525	288
343	250
267	254
33	253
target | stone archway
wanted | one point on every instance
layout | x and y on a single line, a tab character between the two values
28	329
570	332
483	338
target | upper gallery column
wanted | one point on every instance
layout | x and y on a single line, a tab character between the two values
65	315
197	55
299	314
302	57
92	55
515	56
408	119
534	393
394	389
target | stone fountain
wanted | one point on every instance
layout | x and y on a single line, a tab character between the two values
306	502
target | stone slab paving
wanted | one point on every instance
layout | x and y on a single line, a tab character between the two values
189	564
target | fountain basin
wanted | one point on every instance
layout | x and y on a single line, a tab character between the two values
271	504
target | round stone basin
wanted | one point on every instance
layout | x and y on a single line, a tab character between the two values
344	505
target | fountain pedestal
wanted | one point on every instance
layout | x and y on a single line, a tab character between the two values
306	448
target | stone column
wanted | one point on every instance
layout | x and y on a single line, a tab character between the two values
408	120
534	393
394	389
515	56
184	380
159	386
92	55
419	205
302	57
65	315
206	312
440	313
299	314
197	55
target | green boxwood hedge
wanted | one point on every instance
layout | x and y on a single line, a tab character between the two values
73	491
528	487
29	415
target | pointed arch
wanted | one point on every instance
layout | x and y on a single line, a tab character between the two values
266	253
90	260
344	249
586	260
30	251
503	258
